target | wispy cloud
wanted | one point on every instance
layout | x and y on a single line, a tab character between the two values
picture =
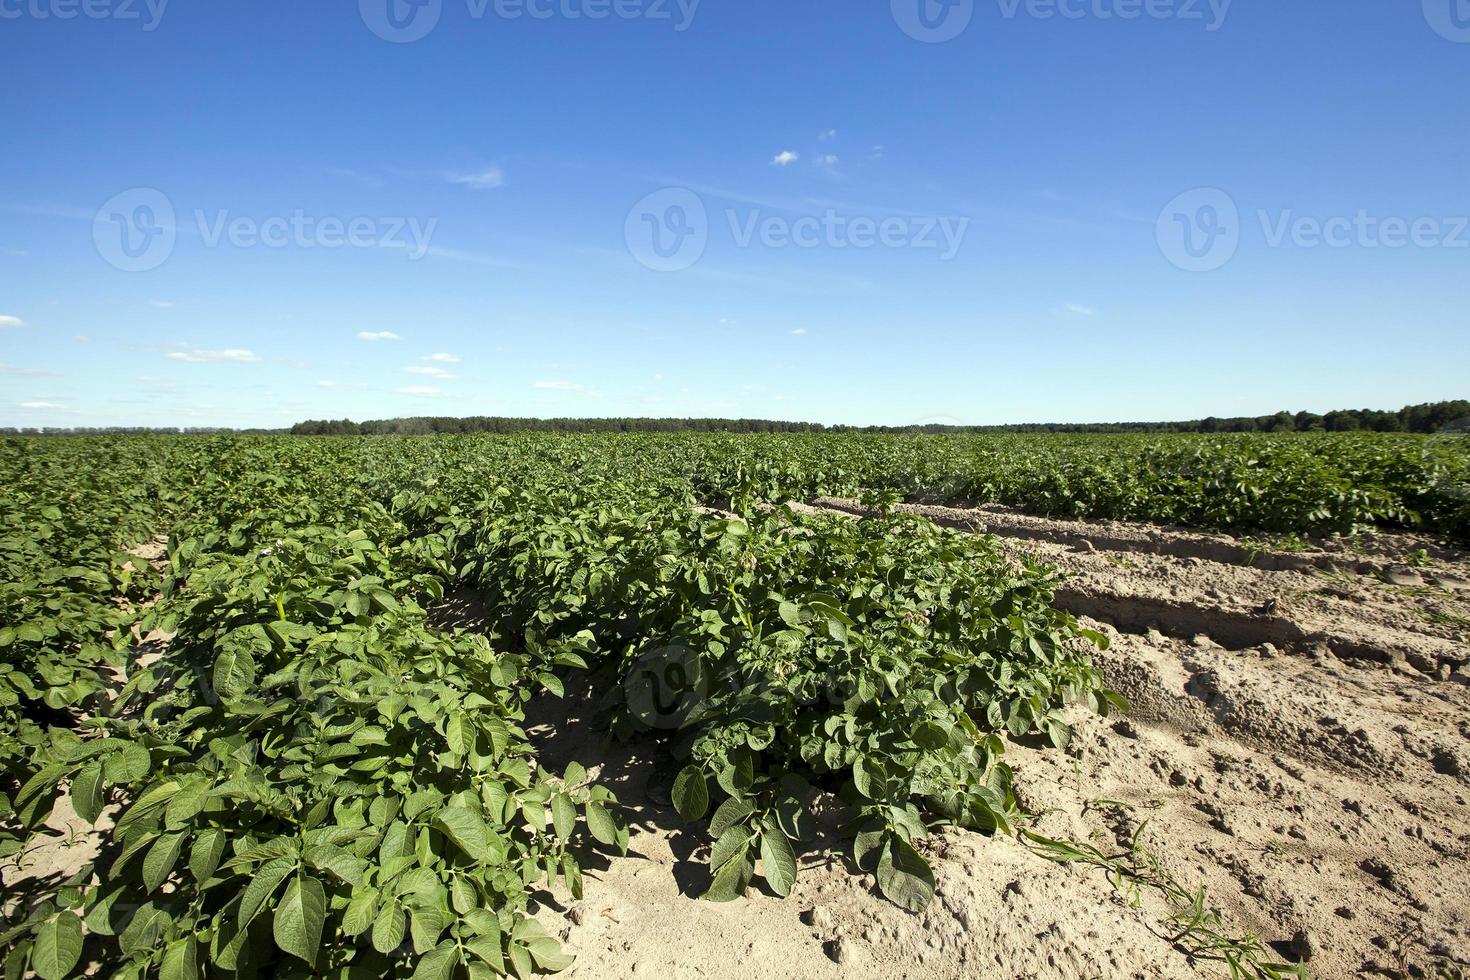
484	180
11	321
326	384
11	369
560	386
785	158
826	134
422	391
1078	309
442	358
799	332
14	253
431	372
37	405
828	160
161	304
473	258
365	181
377	336
233	355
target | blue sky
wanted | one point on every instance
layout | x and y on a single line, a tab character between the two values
1103	210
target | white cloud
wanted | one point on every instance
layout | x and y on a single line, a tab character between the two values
785	158
22	372
485	180
827	134
367	181
425	391
799	332
326	384
559	386
234	355
161	304
38	405
1077	309
11	321
432	372
442	358
828	160
374	336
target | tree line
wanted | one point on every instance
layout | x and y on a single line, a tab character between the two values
1426	418
1446	416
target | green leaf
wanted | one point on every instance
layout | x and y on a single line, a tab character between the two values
467	830
58	946
563	815
388	928
778	862
728	814
205	853
459	734
691	794
729	881
299	918
904	877
438	963
358	918
86	792
144	928
734	842
160	860
234	673
262	885
425	924
181	960
602	825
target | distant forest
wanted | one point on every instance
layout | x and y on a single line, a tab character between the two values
1450	416
1433	417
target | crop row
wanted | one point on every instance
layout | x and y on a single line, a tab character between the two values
313	777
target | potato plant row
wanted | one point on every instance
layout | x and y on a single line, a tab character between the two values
311	777
312	780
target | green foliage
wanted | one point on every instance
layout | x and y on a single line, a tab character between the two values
317	779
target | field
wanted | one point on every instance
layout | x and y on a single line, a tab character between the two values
894	705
